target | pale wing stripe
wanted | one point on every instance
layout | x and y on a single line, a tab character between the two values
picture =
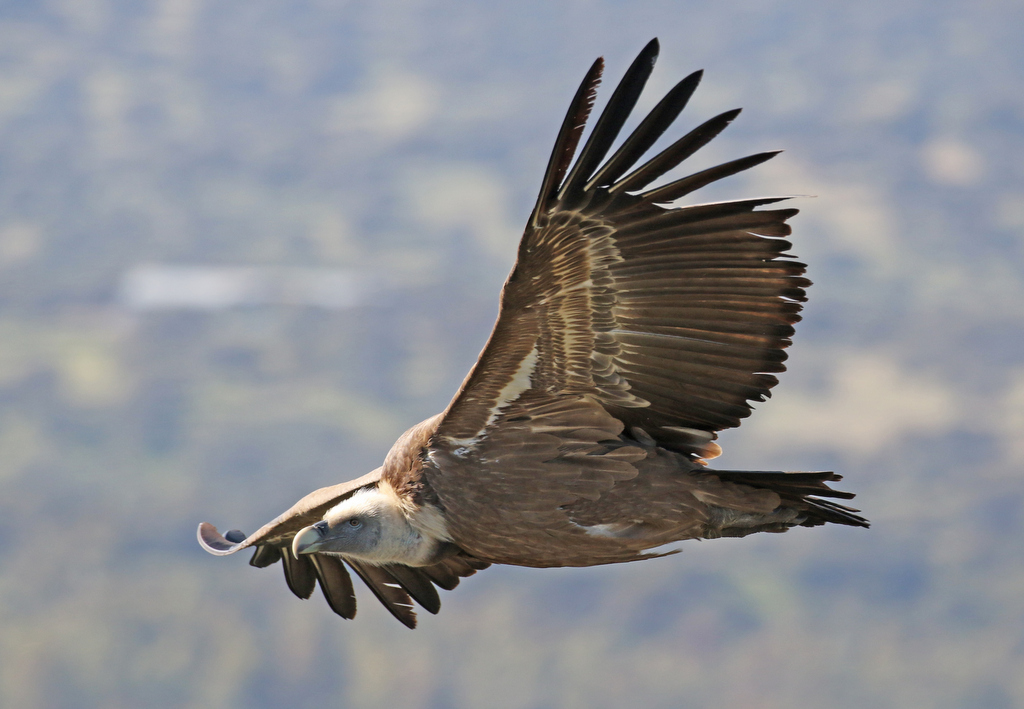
520	382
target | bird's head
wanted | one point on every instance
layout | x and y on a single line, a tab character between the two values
355	527
372	526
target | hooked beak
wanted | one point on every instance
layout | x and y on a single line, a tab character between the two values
308	540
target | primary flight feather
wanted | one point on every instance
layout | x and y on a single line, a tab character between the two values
630	332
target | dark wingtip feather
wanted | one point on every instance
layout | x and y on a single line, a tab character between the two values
676	153
336	585
417	584
612	118
388	592
265	555
674	190
647	133
568	137
299	574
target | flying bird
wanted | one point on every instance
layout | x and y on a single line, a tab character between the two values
630	332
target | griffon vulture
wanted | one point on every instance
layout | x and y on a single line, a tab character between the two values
630	332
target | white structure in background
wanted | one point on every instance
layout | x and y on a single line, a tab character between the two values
164	287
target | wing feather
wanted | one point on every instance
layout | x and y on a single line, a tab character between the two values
675	153
680	188
668	318
568	137
387	590
336	584
620	105
299	574
649	130
417	584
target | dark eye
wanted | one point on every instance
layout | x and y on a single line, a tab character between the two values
354	522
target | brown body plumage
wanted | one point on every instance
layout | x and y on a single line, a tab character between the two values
629	334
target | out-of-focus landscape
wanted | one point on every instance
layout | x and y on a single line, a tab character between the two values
245	244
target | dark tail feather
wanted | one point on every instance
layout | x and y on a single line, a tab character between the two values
822	511
804	491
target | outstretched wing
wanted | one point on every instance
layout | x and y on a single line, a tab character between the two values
395	585
669	319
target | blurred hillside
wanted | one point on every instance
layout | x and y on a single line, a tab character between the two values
404	141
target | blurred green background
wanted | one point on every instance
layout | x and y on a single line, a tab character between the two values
397	146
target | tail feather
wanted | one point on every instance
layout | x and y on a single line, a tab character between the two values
802	491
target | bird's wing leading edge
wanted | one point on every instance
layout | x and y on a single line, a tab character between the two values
303	513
